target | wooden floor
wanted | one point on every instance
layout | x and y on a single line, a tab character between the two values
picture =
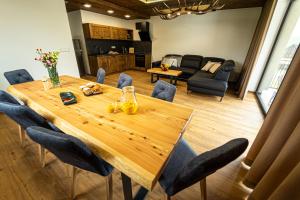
213	123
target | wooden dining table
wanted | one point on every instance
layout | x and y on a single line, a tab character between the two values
138	145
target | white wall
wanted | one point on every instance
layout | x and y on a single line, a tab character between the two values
226	34
27	25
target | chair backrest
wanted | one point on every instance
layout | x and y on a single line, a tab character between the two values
69	150
6	97
124	80
23	115
18	76
100	75
206	164
164	91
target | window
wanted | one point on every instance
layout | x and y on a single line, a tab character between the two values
283	51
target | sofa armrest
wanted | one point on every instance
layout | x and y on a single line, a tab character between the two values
156	63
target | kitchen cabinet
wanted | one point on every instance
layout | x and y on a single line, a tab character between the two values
111	63
96	31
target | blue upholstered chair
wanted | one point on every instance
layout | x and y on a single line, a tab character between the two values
24	116
6	97
124	80
18	76
185	168
100	75
72	151
164	91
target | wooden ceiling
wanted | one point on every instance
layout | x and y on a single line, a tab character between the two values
139	10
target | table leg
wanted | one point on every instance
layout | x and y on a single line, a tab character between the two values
157	77
171	79
127	188
175	82
141	194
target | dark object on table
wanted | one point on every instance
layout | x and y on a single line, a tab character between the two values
68	98
18	76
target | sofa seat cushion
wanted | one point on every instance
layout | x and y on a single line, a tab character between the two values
207	83
203	74
186	70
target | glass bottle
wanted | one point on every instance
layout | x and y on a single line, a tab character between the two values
129	104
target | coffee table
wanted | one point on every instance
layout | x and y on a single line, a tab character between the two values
173	74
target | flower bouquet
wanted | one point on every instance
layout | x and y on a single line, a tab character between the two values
49	59
165	67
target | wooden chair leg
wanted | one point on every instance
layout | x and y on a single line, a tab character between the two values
22	135
203	189
42	155
73	186
167	197
221	99
109	187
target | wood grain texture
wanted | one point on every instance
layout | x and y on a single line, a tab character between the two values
140	10
137	145
213	124
160	71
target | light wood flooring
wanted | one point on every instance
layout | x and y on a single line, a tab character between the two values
213	124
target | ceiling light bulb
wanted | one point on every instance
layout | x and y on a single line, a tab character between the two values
87	5
110	11
127	16
189	12
169	15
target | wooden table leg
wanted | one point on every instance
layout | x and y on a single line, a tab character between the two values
171	79
127	187
152	78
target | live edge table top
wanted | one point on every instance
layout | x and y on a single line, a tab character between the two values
138	145
168	72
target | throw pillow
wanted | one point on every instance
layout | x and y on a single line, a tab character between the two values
169	61
208	65
215	67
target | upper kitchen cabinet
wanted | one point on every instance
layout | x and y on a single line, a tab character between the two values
95	31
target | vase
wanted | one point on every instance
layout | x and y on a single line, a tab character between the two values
53	75
129	104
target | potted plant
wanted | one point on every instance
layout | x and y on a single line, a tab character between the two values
49	59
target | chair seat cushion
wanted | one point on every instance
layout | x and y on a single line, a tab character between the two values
186	70
199	81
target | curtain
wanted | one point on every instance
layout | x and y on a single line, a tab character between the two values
274	157
256	46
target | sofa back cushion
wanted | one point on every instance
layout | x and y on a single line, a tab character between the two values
191	61
212	59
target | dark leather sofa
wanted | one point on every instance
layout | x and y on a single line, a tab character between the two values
202	81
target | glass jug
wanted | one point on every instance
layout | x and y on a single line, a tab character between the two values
129	104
